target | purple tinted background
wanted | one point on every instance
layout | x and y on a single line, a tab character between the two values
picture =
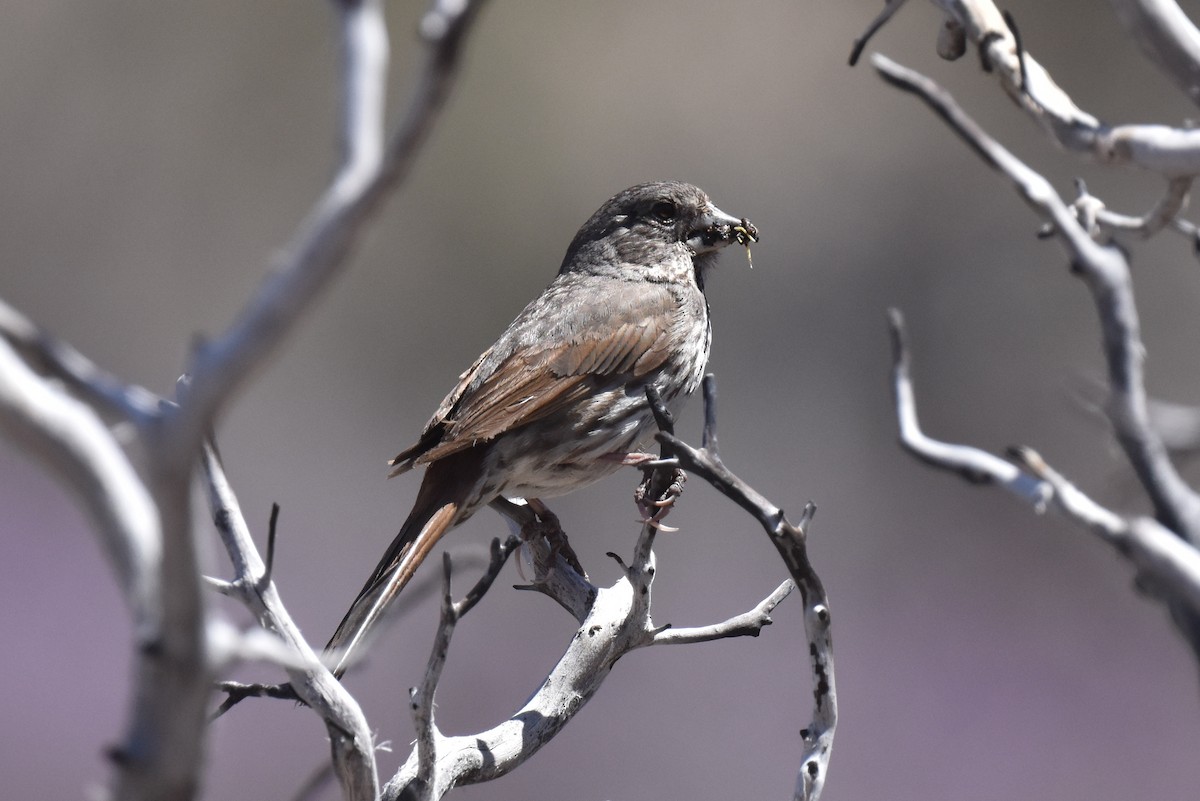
152	157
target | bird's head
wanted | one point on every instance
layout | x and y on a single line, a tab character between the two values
662	225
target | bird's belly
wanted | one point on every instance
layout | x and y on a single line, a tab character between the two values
541	462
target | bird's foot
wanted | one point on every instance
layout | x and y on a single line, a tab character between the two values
548	527
656	495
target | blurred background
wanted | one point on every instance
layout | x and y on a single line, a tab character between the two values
154	155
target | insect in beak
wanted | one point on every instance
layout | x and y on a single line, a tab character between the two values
745	233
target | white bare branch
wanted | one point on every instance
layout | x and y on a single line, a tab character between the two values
1165	213
318	249
54	357
68	437
349	735
616	621
1169	151
147	522
1105	271
974	465
1167	37
613	621
1168	567
790	540
747	624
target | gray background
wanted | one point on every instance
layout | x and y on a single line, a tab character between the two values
153	154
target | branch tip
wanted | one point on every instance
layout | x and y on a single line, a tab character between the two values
889	10
708	439
269	561
1011	22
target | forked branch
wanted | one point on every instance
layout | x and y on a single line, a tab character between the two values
790	541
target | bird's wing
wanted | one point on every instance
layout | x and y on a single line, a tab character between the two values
541	365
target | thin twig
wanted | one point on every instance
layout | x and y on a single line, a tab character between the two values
747	624
428	784
1011	22
1165	213
889	10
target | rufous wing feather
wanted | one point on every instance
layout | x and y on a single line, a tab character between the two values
533	381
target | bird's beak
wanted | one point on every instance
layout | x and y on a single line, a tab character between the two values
716	229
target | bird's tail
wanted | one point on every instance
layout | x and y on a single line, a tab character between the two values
424	527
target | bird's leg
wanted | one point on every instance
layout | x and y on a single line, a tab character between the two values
661	485
634	459
547	525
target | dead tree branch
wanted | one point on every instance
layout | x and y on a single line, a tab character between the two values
351	744
1166	37
1172	152
76	446
145	520
1167	567
613	621
370	171
1105	270
790	541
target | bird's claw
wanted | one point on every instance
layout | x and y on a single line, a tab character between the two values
655	501
547	527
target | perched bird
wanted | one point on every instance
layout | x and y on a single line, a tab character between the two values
559	400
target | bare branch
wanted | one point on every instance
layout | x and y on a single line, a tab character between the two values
237	690
978	466
1164	214
790	541
615	624
614	621
747	624
974	465
1167	37
428	783
1169	151
173	439
52	356
424	784
147	526
1105	271
318	249
158	573
1172	152
1168	568
161	750
311	681
74	444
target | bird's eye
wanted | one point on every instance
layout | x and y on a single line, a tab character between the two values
664	211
